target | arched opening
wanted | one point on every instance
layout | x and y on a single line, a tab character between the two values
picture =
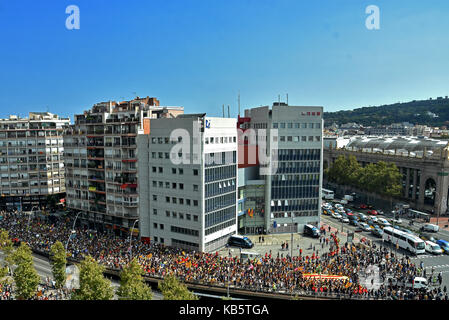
429	192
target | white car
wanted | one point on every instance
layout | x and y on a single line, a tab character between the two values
336	215
373	219
339	206
432	247
344	219
364	226
383	221
396	221
344	201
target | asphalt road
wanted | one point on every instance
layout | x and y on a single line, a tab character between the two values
440	263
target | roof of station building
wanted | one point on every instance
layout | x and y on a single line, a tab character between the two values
396	143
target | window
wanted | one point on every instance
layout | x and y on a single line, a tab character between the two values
289	138
155	239
167	214
181	171
161	170
317	138
154	169
195	172
310	138
311	125
181	186
303	125
167	199
154	197
282	125
173	185
275	125
297	125
155	212
181	201
154	184
282	138
167	185
173	170
290	125
181	216
162	240
155	225
174	214
188	216
318	125
195	187
161	226
195	218
195	203
188	202
174	200
303	138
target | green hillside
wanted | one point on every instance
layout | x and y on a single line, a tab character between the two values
415	112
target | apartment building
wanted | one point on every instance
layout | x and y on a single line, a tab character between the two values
188	196
101	159
31	160
292	185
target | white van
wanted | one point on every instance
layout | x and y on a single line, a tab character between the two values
418	283
432	247
348	197
428	227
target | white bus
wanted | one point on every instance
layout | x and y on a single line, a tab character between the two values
404	240
327	194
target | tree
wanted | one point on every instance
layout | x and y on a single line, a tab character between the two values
93	285
25	276
58	263
132	285
172	289
7	247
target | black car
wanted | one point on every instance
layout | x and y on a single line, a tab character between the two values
311	231
240	241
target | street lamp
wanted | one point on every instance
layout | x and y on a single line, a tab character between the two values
71	232
130	237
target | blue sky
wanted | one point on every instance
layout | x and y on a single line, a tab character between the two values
199	53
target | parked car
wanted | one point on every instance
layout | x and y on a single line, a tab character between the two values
363	206
361	216
344	201
353	222
344	218
311	231
396	221
338	206
373	212
240	241
373	219
348	197
433	248
349	212
444	245
377	231
428	227
383	222
364	226
336	215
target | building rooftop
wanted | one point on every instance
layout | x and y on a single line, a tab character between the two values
386	143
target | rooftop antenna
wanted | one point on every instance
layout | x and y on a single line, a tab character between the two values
223	111
287	99
279	99
228	112
239	103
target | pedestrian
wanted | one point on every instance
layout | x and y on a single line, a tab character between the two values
263	239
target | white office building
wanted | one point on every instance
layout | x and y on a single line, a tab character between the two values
293	187
188	181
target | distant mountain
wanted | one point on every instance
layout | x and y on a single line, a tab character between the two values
432	112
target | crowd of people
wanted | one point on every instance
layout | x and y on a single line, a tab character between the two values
269	273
